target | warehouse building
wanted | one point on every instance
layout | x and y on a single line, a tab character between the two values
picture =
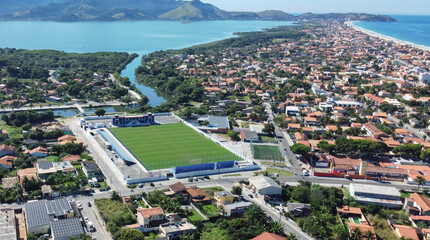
382	196
265	186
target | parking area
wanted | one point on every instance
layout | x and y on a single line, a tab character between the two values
89	215
129	169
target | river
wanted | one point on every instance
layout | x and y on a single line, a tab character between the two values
140	37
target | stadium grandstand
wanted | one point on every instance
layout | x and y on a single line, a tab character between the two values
133	121
122	152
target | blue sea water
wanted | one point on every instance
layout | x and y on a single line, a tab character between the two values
411	28
140	37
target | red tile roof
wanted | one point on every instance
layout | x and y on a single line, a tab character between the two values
268	236
148	212
422	201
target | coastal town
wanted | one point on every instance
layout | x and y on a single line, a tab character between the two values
317	130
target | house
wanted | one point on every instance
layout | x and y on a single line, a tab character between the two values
7	161
268	236
44	168
173	230
40	214
364	228
406	232
197	195
299	209
292	110
373	131
352	213
150	217
265	186
27	172
249	136
38	152
177	189
47	191
8	183
8	229
65	229
383	196
236	209
311	121
6	150
417	204
71	158
223	197
91	170
68	138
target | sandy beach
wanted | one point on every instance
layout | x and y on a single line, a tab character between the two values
384	37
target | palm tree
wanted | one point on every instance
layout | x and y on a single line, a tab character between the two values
277	228
341	232
356	234
291	236
420	180
369	235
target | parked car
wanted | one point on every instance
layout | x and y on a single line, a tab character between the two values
140	185
89	204
152	184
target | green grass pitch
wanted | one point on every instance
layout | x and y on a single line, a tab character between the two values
263	152
171	145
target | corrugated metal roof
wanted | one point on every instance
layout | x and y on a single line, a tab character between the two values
219	121
36	214
66	228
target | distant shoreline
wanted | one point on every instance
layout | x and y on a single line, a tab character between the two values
385	37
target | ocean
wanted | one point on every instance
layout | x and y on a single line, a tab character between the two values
411	28
140	37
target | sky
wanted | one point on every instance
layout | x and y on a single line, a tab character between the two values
419	7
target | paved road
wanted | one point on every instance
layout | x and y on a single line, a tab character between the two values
61	107
289	225
113	178
99	225
283	144
417	132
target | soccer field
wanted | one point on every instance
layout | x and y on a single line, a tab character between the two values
171	145
262	152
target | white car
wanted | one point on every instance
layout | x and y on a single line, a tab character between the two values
86	219
305	172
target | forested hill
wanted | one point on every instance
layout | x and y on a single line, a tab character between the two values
133	10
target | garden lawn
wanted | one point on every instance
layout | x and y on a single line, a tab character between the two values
210	210
263	152
171	145
282	173
195	216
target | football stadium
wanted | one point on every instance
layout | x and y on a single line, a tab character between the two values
151	147
171	145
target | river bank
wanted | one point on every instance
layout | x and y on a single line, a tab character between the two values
385	37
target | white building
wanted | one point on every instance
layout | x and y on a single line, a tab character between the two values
348	104
379	195
7	224
424	77
146	216
292	110
265	185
